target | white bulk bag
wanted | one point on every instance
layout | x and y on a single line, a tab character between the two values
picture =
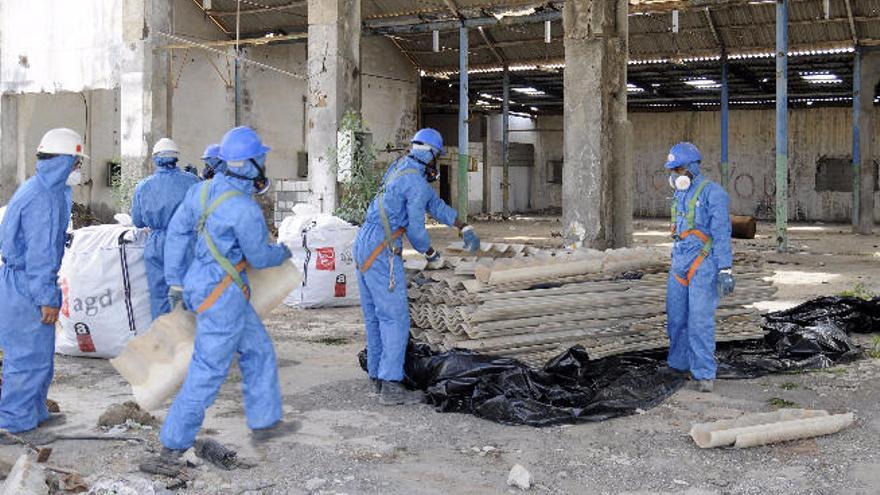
321	245
106	298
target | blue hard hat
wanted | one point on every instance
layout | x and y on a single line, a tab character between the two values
241	143
430	137
212	151
682	155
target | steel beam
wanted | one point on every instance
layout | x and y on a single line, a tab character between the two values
463	123
782	125
725	120
856	148
505	144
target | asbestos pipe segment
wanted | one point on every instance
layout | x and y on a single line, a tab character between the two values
724	432
794	430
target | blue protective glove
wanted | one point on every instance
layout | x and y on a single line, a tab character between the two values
433	258
726	283
175	296
471	241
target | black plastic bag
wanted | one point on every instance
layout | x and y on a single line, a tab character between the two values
568	389
812	335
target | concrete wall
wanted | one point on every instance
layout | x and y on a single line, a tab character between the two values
60	45
202	104
814	133
92	113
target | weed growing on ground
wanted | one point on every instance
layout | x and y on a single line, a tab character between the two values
332	341
779	403
789	386
859	291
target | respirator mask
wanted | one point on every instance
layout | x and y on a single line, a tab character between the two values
679	182
261	182
432	170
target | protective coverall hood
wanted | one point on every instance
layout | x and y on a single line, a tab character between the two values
53	173
165	161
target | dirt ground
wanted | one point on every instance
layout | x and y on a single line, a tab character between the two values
347	443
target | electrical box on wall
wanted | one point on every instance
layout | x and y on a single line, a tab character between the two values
302	164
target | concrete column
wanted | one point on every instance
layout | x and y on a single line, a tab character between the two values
143	83
334	87
870	76
8	147
597	176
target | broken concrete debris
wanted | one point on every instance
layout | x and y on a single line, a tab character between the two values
26	478
753	430
122	414
519	477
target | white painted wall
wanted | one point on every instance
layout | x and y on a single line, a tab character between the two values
60	45
522	131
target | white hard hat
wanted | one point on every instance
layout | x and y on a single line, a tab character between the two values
166	147
62	141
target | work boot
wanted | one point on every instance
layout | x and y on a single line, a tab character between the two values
54	419
394	394
278	430
682	373
376	384
171	455
705	386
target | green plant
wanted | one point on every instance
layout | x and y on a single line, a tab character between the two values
859	291
778	403
789	386
122	189
874	351
332	341
356	195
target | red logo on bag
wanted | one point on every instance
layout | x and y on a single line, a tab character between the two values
84	337
65	302
326	259
340	285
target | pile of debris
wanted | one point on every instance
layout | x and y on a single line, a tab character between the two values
533	304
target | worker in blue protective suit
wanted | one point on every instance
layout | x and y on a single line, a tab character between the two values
701	265
155	200
399	208
213	164
230	233
32	238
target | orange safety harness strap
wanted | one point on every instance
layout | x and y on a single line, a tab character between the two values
376	252
221	287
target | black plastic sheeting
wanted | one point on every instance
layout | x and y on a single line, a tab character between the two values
573	389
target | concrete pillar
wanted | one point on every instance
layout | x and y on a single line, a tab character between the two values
8	147
870	76
597	175
144	89
334	87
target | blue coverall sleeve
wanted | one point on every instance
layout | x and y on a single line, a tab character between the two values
253	238
40	222
439	210
178	240
719	226
416	206
136	216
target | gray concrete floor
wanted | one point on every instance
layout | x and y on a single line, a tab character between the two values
347	443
